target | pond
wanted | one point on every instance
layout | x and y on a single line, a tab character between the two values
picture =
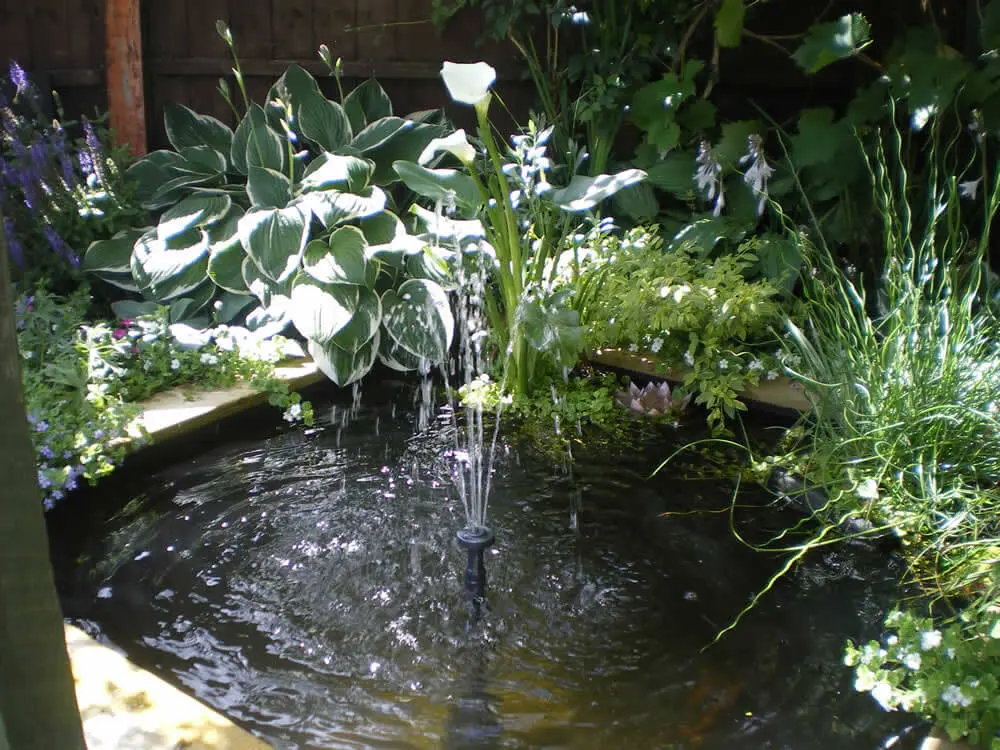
306	582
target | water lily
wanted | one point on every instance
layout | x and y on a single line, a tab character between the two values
469	83
456	144
654	400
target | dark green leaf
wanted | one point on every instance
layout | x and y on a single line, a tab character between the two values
187	128
418	317
364	323
729	23
342	261
346	173
826	43
366	104
450	186
583	193
333	207
320	311
267	188
274	239
114	255
343	367
199	210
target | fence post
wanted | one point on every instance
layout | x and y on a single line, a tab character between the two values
126	93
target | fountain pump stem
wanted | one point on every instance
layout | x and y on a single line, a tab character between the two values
475	541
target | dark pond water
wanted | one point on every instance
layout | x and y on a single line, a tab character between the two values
306	583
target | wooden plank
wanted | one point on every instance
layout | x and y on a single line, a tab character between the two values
417	39
332	20
126	85
86	36
251	27
77	76
256	67
292	29
167	24
14	33
376	35
202	38
48	33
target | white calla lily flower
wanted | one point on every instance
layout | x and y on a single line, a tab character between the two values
456	144
469	83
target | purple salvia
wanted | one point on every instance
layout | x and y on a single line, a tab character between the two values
86	163
18	77
13	243
59	245
90	135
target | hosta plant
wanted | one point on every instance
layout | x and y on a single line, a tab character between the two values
290	210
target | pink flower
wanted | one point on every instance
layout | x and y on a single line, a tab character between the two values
119	333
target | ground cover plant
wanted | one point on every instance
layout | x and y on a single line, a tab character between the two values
84	380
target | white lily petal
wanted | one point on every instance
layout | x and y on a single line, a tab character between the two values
456	144
468	83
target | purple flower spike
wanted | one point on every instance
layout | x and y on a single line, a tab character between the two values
90	135
14	247
86	163
18	77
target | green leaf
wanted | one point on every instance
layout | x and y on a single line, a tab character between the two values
128	309
320	311
432	263
702	235
697	116
270	293
343	367
404	145
264	147
729	23
174	190
113	255
364	323
366	104
324	122
450	186
226	254
187	307
989	32
169	269
826	43
385	234
583	193
187	128
342	261
418	317
395	357
779	260
267	188
380	132
733	143
674	174
274	239
232	307
554	329
333	207
655	106
203	160
238	149
194	211
348	173
638	202
818	140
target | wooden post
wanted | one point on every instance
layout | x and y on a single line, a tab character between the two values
126	93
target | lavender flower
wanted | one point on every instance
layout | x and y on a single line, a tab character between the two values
90	135
46	452
86	163
18	77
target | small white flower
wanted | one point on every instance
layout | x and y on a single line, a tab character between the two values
656	345
455	144
209	359
175	364
882	692
930	639
969	189
664	291
772	375
293	413
973	684
954	697
912	661
469	83
633	348
723	364
950	653
756	366
892	640
688	359
868	490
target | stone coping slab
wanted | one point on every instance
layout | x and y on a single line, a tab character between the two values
123	707
781	393
182	410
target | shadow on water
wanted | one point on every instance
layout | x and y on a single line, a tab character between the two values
308	583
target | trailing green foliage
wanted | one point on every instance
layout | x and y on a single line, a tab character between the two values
684	309
83	381
291	209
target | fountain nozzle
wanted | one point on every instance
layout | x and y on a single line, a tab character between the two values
475	540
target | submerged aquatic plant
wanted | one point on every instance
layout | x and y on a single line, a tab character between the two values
652	400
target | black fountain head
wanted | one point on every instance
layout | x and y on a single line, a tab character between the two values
475	539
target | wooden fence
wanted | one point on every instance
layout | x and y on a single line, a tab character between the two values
64	42
393	40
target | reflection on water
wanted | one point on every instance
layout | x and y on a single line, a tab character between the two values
308	585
